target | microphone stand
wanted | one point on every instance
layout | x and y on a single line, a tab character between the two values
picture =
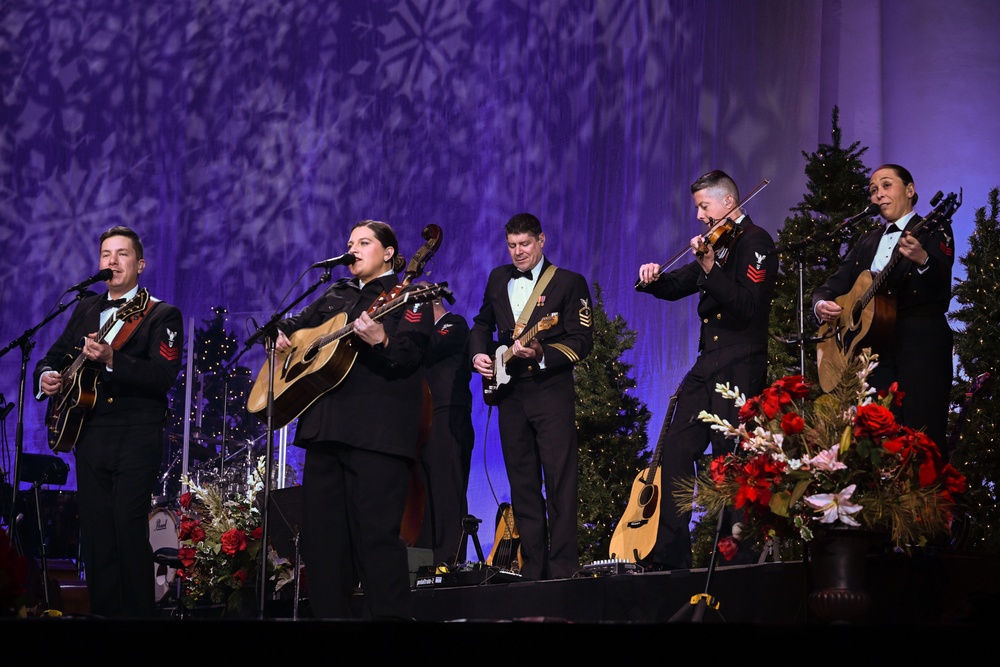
269	335
26	342
799	249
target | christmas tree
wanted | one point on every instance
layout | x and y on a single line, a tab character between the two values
611	423
809	242
974	433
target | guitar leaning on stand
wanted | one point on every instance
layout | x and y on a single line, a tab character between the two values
506	552
78	393
635	535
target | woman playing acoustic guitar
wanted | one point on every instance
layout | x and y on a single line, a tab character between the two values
909	331
361	437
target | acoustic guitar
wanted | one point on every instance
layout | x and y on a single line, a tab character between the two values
492	387
506	551
319	359
869	313
78	393
635	535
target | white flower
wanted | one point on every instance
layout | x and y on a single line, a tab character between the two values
827	460
835	506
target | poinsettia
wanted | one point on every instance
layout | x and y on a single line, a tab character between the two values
807	459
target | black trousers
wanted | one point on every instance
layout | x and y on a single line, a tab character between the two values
116	469
445	461
353	502
539	441
743	366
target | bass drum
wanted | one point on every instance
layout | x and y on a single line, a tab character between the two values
163	529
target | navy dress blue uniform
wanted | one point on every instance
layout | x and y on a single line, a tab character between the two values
537	416
119	451
734	305
446	457
361	441
919	353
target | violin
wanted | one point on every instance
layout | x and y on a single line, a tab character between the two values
720	236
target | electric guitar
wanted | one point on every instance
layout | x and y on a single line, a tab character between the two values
318	359
503	356
635	535
506	551
869	313
78	393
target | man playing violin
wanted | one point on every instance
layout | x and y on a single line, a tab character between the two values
733	274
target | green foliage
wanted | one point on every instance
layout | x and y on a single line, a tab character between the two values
611	423
837	189
219	395
976	424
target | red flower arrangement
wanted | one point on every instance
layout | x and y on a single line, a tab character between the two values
838	460
220	548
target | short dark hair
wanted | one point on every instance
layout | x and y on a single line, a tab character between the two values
904	175
121	230
716	179
387	237
523	223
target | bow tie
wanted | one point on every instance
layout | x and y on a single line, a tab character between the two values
520	274
111	303
891	228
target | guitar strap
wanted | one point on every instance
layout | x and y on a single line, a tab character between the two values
130	325
540	286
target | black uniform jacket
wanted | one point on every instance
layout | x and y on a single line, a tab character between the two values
143	370
734	302
564	344
377	406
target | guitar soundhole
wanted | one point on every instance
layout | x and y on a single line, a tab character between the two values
646	495
309	355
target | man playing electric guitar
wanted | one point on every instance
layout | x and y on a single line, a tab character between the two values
120	444
917	353
537	413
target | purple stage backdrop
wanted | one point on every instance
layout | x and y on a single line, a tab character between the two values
243	139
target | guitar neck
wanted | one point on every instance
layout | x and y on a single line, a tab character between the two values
101	335
348	328
522	339
655	461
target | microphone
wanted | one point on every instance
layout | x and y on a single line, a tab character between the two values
344	260
872	209
103	274
6	410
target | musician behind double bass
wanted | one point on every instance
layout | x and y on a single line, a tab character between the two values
361	437
119	446
735	284
915	352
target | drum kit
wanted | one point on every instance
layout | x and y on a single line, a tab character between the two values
229	466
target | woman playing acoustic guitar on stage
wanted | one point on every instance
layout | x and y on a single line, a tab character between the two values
360	438
910	259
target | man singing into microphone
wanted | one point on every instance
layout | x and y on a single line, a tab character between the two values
126	376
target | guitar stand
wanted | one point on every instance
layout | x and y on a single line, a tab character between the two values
470	528
702	603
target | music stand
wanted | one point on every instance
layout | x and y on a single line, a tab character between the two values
39	469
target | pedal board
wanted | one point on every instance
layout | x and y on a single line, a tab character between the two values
469	574
601	568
